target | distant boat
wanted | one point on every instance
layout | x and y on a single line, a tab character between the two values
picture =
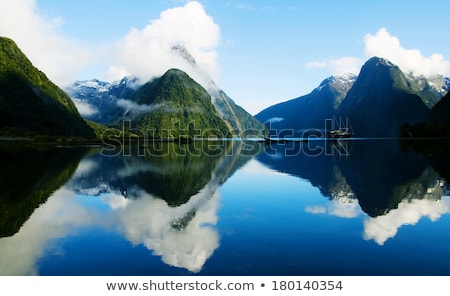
339	133
272	140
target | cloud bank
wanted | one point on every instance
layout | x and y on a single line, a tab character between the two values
338	66
143	52
382	228
348	209
385	45
59	57
148	52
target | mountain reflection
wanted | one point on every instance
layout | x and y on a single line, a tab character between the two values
167	203
28	176
170	171
158	213
393	186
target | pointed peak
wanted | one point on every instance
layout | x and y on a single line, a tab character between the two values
379	61
175	71
338	81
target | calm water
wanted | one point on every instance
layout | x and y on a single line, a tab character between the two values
225	208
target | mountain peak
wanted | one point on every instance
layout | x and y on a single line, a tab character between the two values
175	72
381	100
175	105
379	61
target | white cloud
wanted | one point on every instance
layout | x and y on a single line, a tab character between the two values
274	120
55	219
317	65
148	221
148	52
381	228
316	210
84	108
85	167
60	58
383	44
338	66
143	52
137	108
348	209
245	6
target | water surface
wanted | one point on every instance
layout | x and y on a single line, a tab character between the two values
225	208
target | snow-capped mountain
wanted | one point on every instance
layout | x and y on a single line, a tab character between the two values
436	83
383	99
339	85
293	117
108	103
97	100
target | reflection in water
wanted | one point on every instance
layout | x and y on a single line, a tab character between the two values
169	205
60	216
343	208
166	203
153	223
393	187
381	228
28	176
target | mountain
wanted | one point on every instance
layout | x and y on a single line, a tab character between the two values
376	103
310	111
30	104
108	103
436	123
441	111
99	101
430	89
175	105
167	173
378	175
239	121
382	99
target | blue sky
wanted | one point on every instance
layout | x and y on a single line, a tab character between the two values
258	52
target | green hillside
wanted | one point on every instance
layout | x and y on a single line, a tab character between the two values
176	106
239	121
30	104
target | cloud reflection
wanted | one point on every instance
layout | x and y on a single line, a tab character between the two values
348	208
382	228
151	222
57	218
183	236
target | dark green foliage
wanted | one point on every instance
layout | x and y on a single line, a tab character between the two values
180	175
178	107
167	170
30	104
